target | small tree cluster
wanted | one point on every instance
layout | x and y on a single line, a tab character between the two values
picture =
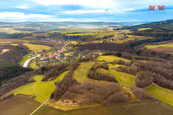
96	93
143	79
93	74
55	71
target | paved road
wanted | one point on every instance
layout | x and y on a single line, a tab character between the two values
27	62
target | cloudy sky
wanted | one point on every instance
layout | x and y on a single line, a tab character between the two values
83	10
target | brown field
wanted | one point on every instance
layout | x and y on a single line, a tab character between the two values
18	105
164	49
138	108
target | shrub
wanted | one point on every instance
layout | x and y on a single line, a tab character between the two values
144	79
141	94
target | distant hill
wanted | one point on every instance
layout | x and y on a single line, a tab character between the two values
47	26
167	24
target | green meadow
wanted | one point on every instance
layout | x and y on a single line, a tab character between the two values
80	74
111	58
162	94
42	90
156	46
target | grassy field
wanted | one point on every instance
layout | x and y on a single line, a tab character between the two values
85	32
9	30
11	40
138	37
70	31
123	79
111	58
41	89
73	42
123	40
33	64
161	45
14	44
60	77
80	74
141	29
37	48
162	94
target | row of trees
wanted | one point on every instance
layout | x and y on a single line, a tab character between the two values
65	83
106	46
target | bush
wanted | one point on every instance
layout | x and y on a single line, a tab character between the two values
141	94
144	79
100	76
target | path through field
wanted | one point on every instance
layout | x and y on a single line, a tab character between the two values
39	106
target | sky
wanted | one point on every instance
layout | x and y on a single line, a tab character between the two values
83	10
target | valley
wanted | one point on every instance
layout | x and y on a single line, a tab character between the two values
74	71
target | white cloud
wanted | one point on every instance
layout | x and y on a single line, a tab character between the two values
18	16
95	6
22	6
22	17
86	11
98	11
85	3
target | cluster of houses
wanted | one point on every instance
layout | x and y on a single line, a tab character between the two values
55	55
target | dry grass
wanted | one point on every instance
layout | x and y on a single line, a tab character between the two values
37	48
4	51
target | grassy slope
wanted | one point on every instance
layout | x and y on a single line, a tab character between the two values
111	58
37	48
141	29
162	94
123	79
11	40
60	77
33	64
41	89
161	45
14	44
80	73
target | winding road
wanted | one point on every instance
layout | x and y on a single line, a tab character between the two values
27	62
